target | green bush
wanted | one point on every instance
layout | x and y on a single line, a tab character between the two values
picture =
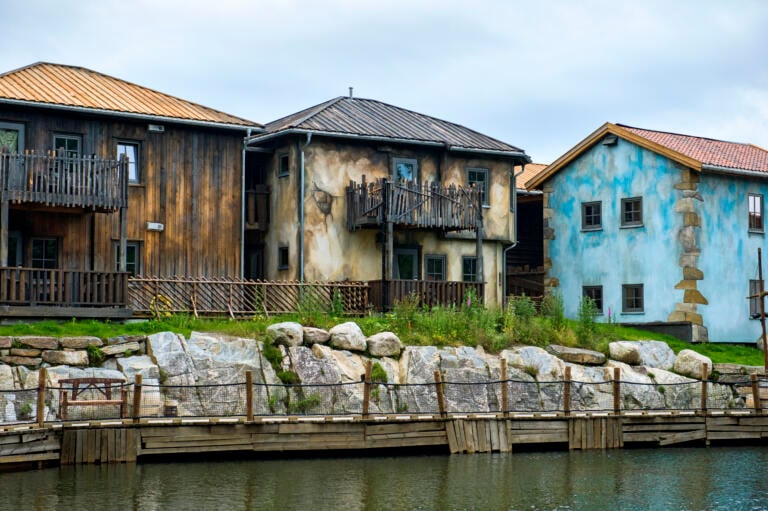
585	330
552	308
378	373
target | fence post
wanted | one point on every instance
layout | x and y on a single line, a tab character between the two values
367	389
440	396
704	372
249	396
42	378
136	412
504	389
616	390
755	393
567	391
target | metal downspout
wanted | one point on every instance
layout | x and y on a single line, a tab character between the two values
242	207
516	241
301	210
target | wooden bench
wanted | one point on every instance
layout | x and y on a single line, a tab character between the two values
71	393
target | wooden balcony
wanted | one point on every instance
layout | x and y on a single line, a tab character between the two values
26	292
257	208
409	204
60	181
383	294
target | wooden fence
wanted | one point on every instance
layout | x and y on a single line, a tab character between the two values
159	296
384	294
64	288
52	180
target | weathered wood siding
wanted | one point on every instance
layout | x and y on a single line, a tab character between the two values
190	181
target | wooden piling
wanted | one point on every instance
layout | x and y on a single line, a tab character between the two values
504	388
440	396
755	393
249	396
704	372
42	378
137	398
367	389
567	391
616	390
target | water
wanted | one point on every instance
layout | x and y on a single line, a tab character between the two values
660	479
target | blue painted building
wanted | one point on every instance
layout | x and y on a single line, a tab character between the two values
658	228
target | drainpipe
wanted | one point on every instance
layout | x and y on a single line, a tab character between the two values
301	210
516	241
242	207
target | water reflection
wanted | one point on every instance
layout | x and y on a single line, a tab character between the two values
663	479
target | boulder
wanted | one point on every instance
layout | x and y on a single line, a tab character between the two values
348	336
647	353
25	352
67	357
22	361
43	343
535	362
121	349
287	333
80	343
314	335
384	344
577	355
689	363
169	353
139	364
6	342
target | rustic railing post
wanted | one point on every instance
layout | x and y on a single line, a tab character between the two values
367	389
567	391
41	380
504	389
440	396
704	373
617	390
249	396
136	412
755	393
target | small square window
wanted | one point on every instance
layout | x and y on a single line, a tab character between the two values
132	257
282	258
754	303
469	269
632	212
405	169
591	216
434	267
67	145
632	298
479	177
596	294
45	253
283	165
755	212
131	151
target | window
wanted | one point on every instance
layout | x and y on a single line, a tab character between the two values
632	298
131	151
45	253
132	257
11	137
405	169
632	212
406	263
596	294
479	177
755	212
469	269
67	145
754	303
591	216
14	248
434	267
283	165
282	258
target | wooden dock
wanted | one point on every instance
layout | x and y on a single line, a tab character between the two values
125	441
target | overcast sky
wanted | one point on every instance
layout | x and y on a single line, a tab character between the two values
540	75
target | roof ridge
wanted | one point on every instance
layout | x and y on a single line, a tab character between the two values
684	135
314	110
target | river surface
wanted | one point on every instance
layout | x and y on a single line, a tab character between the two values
650	479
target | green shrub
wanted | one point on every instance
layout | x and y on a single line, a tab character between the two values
288	377
95	355
552	308
585	330
304	404
273	355
378	373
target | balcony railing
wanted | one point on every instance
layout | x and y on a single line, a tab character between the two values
383	294
62	181
257	208
409	204
63	288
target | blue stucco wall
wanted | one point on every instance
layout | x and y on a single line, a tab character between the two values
614	256
728	256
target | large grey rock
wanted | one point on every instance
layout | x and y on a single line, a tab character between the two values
348	336
121	349
287	333
577	355
80	343
466	375
22	361
70	358
139	364
690	363
6	342
43	343
384	344
323	370
647	353
418	365
535	361
314	335
169	353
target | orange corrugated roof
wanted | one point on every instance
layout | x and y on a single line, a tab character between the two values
71	86
531	170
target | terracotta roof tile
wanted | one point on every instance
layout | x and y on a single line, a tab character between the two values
531	170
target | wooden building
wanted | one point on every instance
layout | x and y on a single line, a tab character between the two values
363	190
102	178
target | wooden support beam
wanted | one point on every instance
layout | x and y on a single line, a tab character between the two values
440	395
249	396
42	378
137	398
616	390
504	388
704	373
367	389
755	393
567	391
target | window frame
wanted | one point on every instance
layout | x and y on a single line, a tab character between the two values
68	136
435	258
629	202
129	245
402	159
584	216
283	257
486	201
32	258
283	170
20	128
465	260
754	216
132	164
625	308
585	292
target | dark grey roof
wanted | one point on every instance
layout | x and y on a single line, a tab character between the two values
370	118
